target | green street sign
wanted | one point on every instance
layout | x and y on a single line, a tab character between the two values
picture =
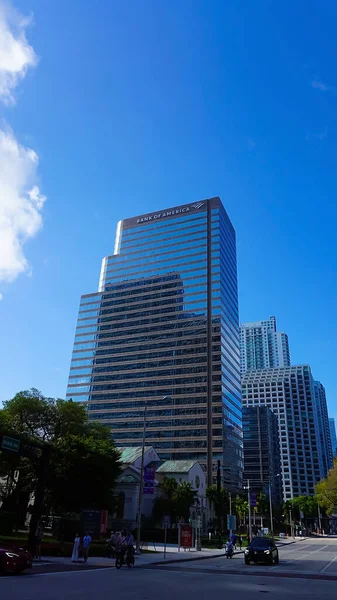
9	443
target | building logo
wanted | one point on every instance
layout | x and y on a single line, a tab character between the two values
169	213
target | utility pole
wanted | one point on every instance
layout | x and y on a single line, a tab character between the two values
271	511
218	495
291	523
249	512
39	496
230	513
319	518
141	485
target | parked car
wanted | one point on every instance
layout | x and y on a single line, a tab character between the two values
261	550
14	560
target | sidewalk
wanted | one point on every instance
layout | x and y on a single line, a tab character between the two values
148	558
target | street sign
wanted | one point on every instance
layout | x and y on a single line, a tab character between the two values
186	536
253	499
196	522
149	475
166	522
11	444
231	522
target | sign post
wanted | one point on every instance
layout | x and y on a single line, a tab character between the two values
185	536
11	444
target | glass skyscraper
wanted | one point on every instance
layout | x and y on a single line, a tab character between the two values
163	332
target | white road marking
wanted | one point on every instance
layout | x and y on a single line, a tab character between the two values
294	549
310	553
328	565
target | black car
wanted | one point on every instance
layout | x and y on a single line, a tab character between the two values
261	550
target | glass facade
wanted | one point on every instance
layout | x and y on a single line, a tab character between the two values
163	331
290	393
261	447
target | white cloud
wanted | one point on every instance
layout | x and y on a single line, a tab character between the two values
16	54
320	85
20	199
20	204
1	297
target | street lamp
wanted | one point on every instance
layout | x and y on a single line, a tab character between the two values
271	507
141	482
247	487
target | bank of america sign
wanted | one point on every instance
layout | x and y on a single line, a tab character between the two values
170	213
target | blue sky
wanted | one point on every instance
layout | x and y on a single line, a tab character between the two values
135	106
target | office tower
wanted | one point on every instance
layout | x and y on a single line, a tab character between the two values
290	393
261	450
162	333
333	436
262	346
325	447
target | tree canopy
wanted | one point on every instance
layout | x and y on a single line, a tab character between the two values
175	500
82	463
326	490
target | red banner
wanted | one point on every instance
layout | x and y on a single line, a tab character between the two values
186	536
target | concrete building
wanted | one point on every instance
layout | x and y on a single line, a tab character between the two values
261	448
163	332
262	346
290	393
189	471
333	436
127	487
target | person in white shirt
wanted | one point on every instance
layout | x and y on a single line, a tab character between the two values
76	548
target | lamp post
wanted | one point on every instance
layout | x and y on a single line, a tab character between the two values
271	507
271	512
247	487
218	495
141	484
319	518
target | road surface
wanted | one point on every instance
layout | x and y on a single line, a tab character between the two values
307	569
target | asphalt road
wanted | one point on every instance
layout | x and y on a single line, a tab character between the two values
303	572
307	557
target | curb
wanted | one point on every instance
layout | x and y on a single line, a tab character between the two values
194	558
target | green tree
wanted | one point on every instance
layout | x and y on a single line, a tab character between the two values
326	490
240	508
175	500
212	496
83	462
262	504
184	498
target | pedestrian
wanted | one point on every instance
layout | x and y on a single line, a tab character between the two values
86	546
233	539
38	540
77	542
240	541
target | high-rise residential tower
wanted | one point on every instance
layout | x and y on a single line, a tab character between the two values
261	447
262	346
321	410
333	436
290	392
162	332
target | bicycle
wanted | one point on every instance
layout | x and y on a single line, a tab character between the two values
125	556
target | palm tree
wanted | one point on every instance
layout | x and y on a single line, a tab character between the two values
240	508
168	487
184	497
